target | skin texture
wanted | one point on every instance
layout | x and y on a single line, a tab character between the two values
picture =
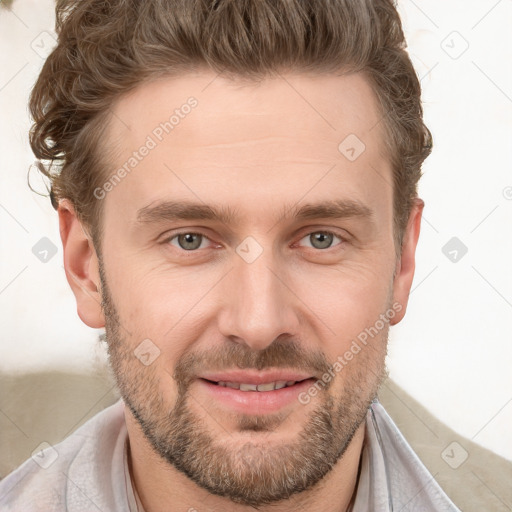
260	151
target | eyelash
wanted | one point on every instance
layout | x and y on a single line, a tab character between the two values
168	239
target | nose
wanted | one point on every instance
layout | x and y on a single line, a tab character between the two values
258	303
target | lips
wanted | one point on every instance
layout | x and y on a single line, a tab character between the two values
253	380
254	392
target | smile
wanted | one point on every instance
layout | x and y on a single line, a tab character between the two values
248	393
270	386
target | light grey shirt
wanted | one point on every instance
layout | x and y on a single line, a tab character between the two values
89	471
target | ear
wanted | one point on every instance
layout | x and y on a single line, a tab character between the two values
404	272
81	265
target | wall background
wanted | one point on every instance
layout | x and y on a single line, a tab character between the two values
453	352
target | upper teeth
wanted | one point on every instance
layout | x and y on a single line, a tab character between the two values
270	386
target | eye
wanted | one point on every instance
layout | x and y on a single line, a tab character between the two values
321	239
188	241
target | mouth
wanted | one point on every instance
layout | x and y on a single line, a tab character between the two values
268	386
251	392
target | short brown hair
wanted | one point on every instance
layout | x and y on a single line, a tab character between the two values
106	49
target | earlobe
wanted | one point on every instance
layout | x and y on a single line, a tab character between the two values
405	267
81	265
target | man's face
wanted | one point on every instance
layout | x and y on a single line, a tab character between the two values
275	290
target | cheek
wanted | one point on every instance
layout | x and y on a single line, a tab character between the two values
167	306
347	299
346	311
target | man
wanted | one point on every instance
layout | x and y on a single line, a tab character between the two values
236	188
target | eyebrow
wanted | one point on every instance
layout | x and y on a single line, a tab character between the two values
184	210
335	209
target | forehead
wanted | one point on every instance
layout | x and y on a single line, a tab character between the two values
313	106
202	137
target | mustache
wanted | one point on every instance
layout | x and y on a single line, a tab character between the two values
282	353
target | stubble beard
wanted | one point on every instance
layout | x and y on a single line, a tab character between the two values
247	473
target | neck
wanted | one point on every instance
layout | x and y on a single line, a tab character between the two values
158	483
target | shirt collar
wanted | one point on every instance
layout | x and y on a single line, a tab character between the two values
392	477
